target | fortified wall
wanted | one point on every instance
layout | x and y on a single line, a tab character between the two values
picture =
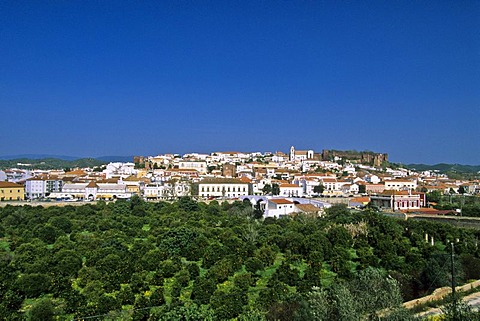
365	157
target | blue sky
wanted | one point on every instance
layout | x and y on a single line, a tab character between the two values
94	78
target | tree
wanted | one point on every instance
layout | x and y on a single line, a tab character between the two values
459	311
334	303
191	312
33	285
318	189
275	189
267	189
362	188
228	305
434	196
374	291
42	310
362	298
203	289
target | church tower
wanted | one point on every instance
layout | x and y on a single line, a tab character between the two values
292	154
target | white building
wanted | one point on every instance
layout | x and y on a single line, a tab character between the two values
200	166
279	207
93	191
154	191
177	188
399	200
291	190
119	169
40	187
401	185
299	155
308	185
222	188
350	189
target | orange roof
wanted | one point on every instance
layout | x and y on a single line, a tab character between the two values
289	185
109	180
9	184
131	178
76	172
308	208
281	201
393	192
245	179
360	199
92	184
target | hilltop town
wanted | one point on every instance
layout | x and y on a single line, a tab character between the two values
277	183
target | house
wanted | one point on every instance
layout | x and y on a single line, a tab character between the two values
134	185
309	209
119	169
374	188
290	190
308	185
182	172
93	190
398	200
35	187
177	188
199	166
278	207
279	157
374	179
153	191
358	201
222	187
16	175
11	191
42	186
400	185
229	170
350	189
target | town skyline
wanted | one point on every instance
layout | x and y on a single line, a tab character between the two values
124	158
92	79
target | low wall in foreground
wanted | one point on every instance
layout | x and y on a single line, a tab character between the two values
440	294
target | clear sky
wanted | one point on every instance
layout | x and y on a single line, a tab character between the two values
95	78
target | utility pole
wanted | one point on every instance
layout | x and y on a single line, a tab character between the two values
454	299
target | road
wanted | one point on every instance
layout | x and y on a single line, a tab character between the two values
473	300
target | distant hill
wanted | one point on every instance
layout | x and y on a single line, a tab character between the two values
108	159
38	156
446	168
49	163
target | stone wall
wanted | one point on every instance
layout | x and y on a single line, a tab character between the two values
440	294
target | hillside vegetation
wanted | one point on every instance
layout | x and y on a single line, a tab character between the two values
132	260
